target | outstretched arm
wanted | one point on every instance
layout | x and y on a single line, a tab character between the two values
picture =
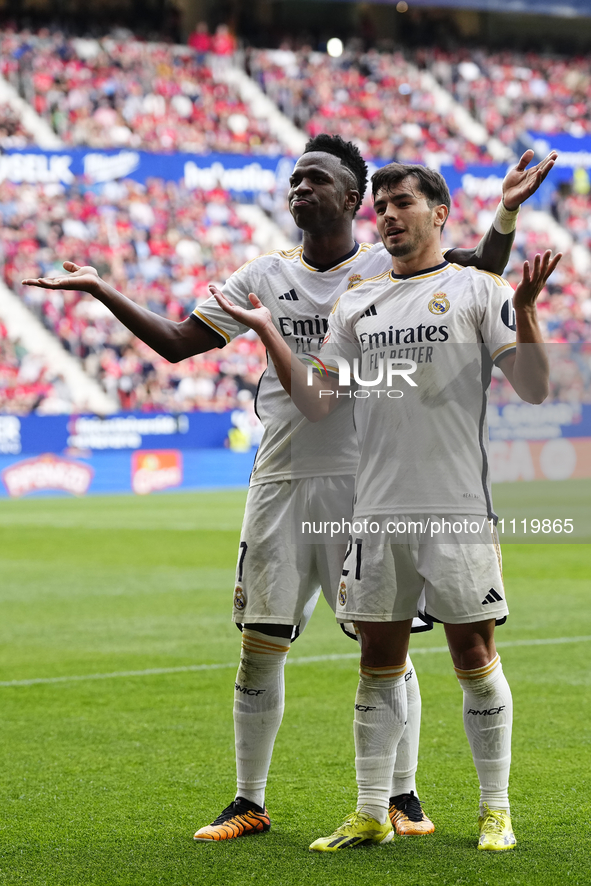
493	251
173	341
527	368
291	372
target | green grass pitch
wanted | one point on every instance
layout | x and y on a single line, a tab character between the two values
104	780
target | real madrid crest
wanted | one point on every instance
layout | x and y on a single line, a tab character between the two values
342	593
439	304
353	279
239	599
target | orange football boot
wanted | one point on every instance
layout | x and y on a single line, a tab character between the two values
239	819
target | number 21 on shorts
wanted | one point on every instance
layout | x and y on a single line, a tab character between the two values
358	542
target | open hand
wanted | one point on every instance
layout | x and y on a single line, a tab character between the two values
80	279
520	183
259	318
533	281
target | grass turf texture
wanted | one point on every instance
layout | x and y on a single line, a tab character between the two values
104	781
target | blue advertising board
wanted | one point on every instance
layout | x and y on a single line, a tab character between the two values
34	434
242	175
128	452
574	152
486	181
105	473
194	431
246	176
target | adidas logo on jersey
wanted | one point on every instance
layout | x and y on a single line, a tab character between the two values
491	597
371	312
289	296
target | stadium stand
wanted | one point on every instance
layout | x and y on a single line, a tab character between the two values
27	383
375	99
512	93
112	93
161	245
572	209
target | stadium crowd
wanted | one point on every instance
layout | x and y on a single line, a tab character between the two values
119	91
108	92
512	93
572	208
27	384
160	244
373	98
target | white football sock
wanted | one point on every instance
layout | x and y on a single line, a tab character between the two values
259	699
380	715
488	717
407	753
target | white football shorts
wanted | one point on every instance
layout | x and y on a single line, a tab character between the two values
279	577
278	580
457	583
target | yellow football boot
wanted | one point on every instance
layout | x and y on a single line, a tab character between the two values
496	833
359	827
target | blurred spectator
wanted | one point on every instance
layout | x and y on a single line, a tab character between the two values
223	42
200	41
12	132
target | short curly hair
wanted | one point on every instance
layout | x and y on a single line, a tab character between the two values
348	154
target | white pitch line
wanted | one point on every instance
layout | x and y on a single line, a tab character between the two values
310	659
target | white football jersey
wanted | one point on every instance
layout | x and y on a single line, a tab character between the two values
300	299
423	446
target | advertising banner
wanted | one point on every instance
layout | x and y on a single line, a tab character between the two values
573	152
483	182
155	470
129	431
142	472
47	472
243	175
75	434
128	452
247	176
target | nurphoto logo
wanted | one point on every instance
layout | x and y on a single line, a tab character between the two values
387	371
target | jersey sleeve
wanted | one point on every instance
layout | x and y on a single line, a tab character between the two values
498	325
237	288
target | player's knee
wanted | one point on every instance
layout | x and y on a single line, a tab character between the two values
383	644
472	646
